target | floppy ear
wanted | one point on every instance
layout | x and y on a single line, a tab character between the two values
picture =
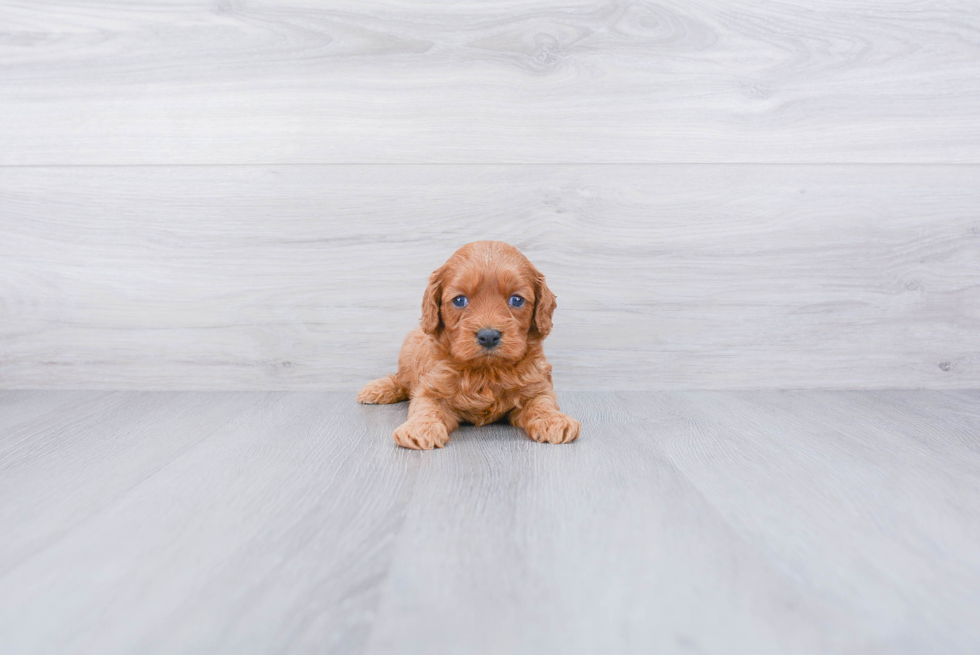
544	307
431	301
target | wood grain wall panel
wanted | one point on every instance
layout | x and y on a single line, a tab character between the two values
308	277
539	81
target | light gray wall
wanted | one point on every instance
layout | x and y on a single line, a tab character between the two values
722	194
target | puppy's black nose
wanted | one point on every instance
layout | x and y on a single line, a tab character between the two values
488	338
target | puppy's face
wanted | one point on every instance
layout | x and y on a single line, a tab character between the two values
487	302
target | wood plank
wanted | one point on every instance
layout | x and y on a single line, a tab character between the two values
667	276
712	522
19	407
599	546
159	82
272	533
61	468
717	522
857	497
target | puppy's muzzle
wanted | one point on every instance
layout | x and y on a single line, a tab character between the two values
488	338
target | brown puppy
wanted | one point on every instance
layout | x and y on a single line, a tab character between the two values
478	355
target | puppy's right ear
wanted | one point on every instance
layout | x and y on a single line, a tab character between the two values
431	302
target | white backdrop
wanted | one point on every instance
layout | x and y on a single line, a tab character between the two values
722	194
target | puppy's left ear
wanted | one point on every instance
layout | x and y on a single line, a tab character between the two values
544	307
431	322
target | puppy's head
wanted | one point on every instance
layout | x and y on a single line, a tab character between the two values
487	302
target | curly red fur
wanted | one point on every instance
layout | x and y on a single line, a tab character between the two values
450	378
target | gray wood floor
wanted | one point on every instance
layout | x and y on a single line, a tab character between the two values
716	522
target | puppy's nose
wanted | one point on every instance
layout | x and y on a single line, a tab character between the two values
488	338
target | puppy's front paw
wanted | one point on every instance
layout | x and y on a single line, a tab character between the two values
420	435
555	428
382	391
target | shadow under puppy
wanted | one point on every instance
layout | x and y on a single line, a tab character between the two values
477	356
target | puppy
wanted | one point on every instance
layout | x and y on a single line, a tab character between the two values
477	356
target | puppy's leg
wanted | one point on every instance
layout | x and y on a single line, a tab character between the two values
382	391
543	422
428	426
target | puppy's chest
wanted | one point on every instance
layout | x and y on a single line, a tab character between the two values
481	400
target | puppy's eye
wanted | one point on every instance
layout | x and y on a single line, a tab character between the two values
460	301
516	301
